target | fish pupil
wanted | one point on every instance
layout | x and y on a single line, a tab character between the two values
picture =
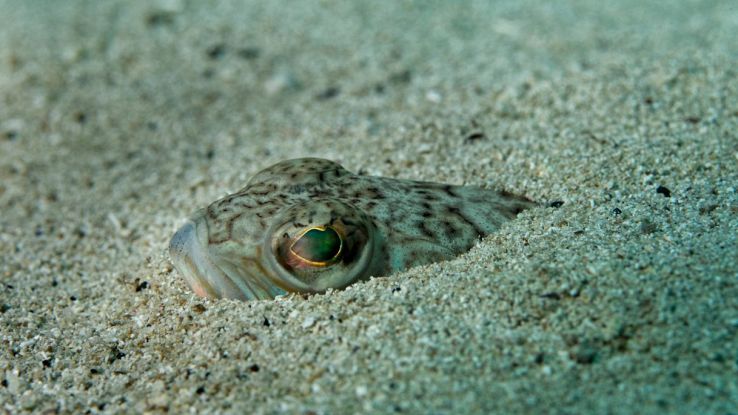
318	245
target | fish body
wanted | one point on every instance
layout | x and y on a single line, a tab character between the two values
307	225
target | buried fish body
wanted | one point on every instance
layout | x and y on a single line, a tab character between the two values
306	225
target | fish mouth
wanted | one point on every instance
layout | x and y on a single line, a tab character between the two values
191	260
207	274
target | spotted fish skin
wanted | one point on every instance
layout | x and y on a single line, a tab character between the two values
239	246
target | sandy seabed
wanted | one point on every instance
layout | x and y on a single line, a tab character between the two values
618	295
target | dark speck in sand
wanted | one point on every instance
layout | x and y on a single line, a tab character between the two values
216	51
551	296
328	93
402	77
585	353
475	137
708	209
556	204
159	19
664	191
617	211
142	286
266	322
115	354
249	53
648	227
693	120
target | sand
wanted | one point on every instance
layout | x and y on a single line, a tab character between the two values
618	295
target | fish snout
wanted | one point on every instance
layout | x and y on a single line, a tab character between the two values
191	257
181	242
187	254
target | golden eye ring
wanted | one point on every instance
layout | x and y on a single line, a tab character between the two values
324	231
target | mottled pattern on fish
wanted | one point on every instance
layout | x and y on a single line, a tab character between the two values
306	225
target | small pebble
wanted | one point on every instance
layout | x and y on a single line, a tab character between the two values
309	322
433	96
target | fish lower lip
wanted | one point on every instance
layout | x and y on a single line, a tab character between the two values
191	259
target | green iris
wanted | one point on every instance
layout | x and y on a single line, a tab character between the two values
318	245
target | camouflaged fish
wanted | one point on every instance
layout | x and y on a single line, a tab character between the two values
306	225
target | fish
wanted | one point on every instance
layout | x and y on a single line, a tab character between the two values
308	225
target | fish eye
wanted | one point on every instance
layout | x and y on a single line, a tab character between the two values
318	246
321	244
